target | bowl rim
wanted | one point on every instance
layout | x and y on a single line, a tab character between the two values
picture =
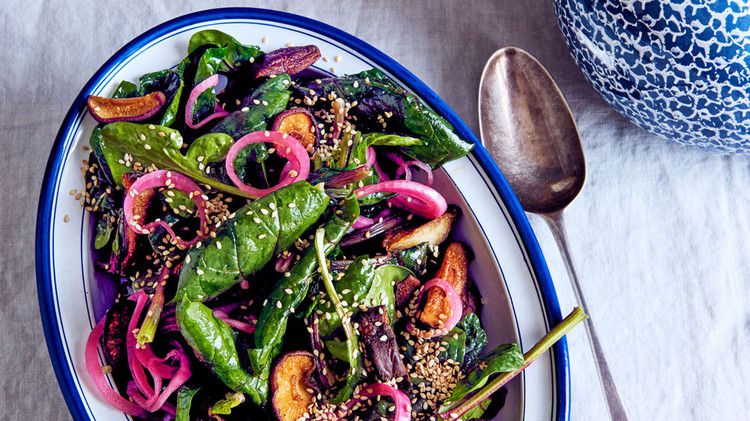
53	172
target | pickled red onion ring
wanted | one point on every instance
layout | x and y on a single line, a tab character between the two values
402	404
205	85
97	376
170	179
415	197
287	146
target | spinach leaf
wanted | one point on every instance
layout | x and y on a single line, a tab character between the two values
249	241
107	159
337	349
179	202
125	89
363	283
359	148
170	84
476	338
352	287
104	230
237	54
208	65
456	345
503	359
383	105
214	341
184	402
209	37
272	322
269	99
230	401
382	292
160	146
415	258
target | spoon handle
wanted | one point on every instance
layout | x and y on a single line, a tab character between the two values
614	404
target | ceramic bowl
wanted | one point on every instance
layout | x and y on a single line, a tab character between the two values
519	299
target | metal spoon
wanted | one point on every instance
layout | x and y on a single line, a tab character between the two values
528	129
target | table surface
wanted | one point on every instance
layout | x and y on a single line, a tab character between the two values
658	234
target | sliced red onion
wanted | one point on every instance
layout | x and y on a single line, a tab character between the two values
404	170
205	85
371	157
172	180
454	302
283	263
362	222
236	324
136	368
416	198
402	410
378	228
181	376
148	359
286	146
97	376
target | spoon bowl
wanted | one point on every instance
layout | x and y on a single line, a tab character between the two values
527	127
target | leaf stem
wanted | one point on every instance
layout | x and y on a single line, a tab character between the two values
573	319
333	295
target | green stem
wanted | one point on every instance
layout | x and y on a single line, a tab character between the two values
151	322
573	319
333	295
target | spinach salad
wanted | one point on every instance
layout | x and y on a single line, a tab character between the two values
277	247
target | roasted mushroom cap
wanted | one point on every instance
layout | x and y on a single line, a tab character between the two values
291	389
300	124
110	110
433	232
290	60
455	270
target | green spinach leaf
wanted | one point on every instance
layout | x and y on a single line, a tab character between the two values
383	105
503	359
269	99
230	401
170	84
353	286
125	89
249	241
160	146
476	338
214	341
184	402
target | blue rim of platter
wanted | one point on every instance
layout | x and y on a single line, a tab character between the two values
55	162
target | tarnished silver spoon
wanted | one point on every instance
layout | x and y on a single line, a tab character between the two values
528	129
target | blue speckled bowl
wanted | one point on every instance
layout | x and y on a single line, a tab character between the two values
678	68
